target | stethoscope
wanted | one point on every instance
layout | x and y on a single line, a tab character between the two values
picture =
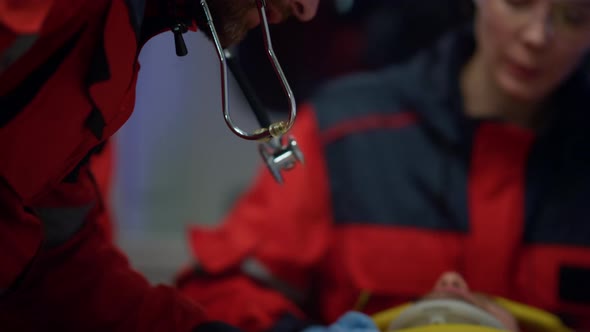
277	153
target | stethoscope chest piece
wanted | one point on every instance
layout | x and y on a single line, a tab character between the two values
280	156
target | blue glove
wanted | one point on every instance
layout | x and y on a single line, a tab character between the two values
352	321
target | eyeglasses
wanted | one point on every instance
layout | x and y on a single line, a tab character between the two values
559	16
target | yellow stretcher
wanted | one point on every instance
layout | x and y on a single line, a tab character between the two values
530	319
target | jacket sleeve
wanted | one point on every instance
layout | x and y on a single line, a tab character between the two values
24	16
65	275
254	270
102	166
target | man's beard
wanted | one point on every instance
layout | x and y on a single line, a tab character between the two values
229	18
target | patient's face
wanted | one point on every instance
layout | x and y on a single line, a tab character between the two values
452	302
451	285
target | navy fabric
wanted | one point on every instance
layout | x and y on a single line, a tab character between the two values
215	327
289	323
573	284
410	176
416	175
136	14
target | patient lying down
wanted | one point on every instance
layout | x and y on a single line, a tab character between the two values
451	306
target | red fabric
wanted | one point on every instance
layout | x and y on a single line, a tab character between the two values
245	303
52	35
102	167
56	138
24	16
496	206
272	211
7	37
394	265
32	136
543	262
382	122
290	230
267	213
85	284
116	97
20	236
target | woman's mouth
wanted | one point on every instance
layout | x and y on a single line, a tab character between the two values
523	72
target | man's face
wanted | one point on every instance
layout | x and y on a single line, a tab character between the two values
530	46
234	18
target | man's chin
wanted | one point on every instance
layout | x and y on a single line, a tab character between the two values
225	39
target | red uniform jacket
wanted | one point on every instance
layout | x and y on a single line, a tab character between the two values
59	102
400	186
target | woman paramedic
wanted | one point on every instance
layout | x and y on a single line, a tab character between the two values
68	72
471	157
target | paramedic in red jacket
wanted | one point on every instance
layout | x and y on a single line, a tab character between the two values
474	156
68	72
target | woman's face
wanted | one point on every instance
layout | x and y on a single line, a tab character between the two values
530	46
